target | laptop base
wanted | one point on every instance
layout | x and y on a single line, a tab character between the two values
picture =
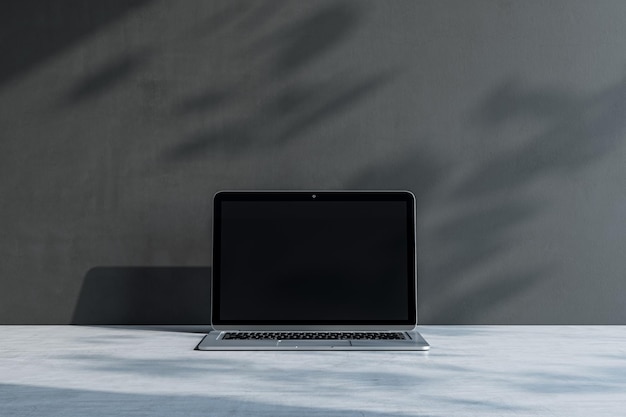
214	341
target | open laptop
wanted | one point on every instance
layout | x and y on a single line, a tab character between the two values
315	270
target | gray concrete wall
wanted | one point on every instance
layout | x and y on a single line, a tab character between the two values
119	120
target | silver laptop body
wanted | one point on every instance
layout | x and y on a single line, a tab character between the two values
314	270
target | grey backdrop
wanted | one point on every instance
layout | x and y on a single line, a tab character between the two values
120	119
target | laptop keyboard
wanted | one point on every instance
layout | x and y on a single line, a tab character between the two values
314	336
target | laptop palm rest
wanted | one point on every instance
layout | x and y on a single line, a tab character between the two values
305	343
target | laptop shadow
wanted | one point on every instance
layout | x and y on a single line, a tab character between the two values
141	295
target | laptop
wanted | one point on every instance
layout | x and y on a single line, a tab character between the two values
314	270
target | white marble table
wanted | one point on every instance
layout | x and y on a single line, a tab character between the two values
470	371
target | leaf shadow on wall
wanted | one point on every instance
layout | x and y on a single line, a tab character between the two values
143	294
490	203
281	104
33	32
115	71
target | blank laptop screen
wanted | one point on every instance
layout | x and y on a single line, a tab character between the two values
338	258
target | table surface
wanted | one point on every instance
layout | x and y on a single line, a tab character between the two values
470	371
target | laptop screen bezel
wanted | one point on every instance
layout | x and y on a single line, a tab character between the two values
256	196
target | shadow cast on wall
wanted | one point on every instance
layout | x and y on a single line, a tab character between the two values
462	278
293	102
577	130
271	106
144	295
32	32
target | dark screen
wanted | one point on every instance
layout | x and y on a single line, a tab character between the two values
317	261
